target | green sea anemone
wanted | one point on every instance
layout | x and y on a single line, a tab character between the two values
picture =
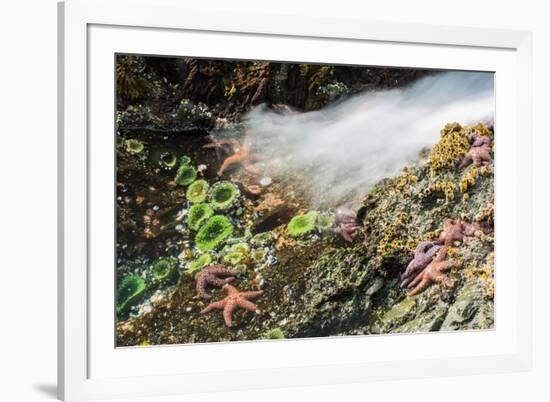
275	333
164	270
242	248
197	191
168	160
258	255
201	261
134	146
198	214
262	239
233	258
223	195
184	160
186	175
129	292
212	233
324	222
301	225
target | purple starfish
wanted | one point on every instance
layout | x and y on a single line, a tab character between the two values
478	140
346	220
211	276
423	255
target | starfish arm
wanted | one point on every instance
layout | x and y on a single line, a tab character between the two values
201	287
422	286
218	281
214	306
419	278
442	252
230	289
247	305
346	235
258	157
252	294
228	313
446	266
466	161
250	167
443	279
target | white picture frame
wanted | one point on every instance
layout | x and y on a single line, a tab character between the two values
89	366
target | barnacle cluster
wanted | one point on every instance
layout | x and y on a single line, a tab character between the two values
197	191
393	238
470	176
129	292
450	149
301	225
447	188
213	232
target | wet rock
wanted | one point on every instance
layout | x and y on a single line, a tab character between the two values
465	307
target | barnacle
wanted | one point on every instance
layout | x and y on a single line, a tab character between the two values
186	175
301	225
450	149
394	238
445	187
470	176
223	195
129	292
197	191
213	232
134	146
198	214
164	270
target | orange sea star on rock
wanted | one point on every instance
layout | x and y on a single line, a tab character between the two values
211	276
232	301
458	230
433	273
242	154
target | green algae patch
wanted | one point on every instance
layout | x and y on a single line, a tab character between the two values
213	233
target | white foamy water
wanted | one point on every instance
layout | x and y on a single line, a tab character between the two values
349	146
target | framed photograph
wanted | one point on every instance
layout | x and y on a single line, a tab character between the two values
294	200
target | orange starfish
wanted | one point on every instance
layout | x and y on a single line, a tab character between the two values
433	273
457	231
242	154
232	301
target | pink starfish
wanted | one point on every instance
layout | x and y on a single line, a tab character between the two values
232	301
211	276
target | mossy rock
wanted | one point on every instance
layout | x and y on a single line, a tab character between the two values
224	195
213	233
301	225
185	175
129	292
197	191
198	214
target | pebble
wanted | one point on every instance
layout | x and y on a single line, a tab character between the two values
265	181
